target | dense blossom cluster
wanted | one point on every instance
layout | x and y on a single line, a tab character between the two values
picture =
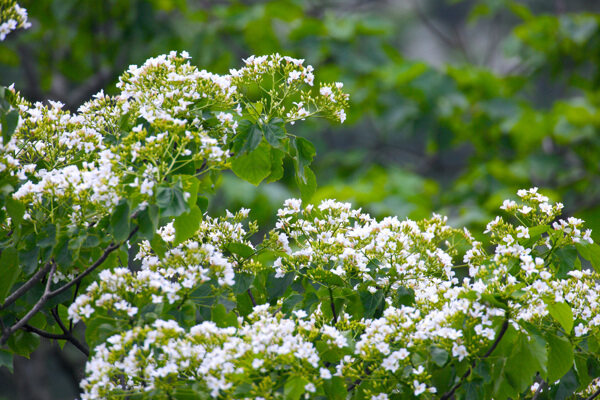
168	119
220	361
335	246
120	292
12	17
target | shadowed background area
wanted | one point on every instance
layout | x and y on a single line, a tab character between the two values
454	104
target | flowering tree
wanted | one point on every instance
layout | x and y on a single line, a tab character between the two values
330	304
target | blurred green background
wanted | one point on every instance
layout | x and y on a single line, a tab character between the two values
454	104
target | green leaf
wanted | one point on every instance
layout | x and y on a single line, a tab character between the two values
10	270
371	302
523	363
158	246
23	343
565	258
6	360
591	252
222	318
187	224
119	221
567	386
290	302
190	185
276	165
275	132
560	356
303	152
438	355
308	186
248	138
563	314
294	388
276	287
254	166
148	221
335	388
98	329
170	200
202	203
15	210
240	249
48	236
405	296
243	281
9	124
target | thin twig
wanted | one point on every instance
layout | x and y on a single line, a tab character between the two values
251	297
68	334
48	294
47	335
359	380
449	394
26	286
95	265
538	392
37	307
335	317
596	394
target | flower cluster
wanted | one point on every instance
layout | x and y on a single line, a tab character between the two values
228	362
174	277
405	269
12	17
334	243
169	119
286	78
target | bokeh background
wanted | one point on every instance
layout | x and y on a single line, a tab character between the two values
454	104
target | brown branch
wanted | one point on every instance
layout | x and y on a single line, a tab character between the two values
449	394
47	335
593	396
335	317
95	265
251	297
538	392
37	307
48	294
27	285
68	334
359	380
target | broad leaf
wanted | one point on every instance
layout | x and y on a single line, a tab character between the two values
120	222
294	388
187	224
10	270
254	166
563	314
560	356
170	200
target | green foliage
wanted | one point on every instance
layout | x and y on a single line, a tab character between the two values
457	139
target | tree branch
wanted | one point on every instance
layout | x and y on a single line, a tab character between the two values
538	392
359	380
335	317
68	334
37	307
95	265
26	286
596	394
48	294
251	297
449	394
